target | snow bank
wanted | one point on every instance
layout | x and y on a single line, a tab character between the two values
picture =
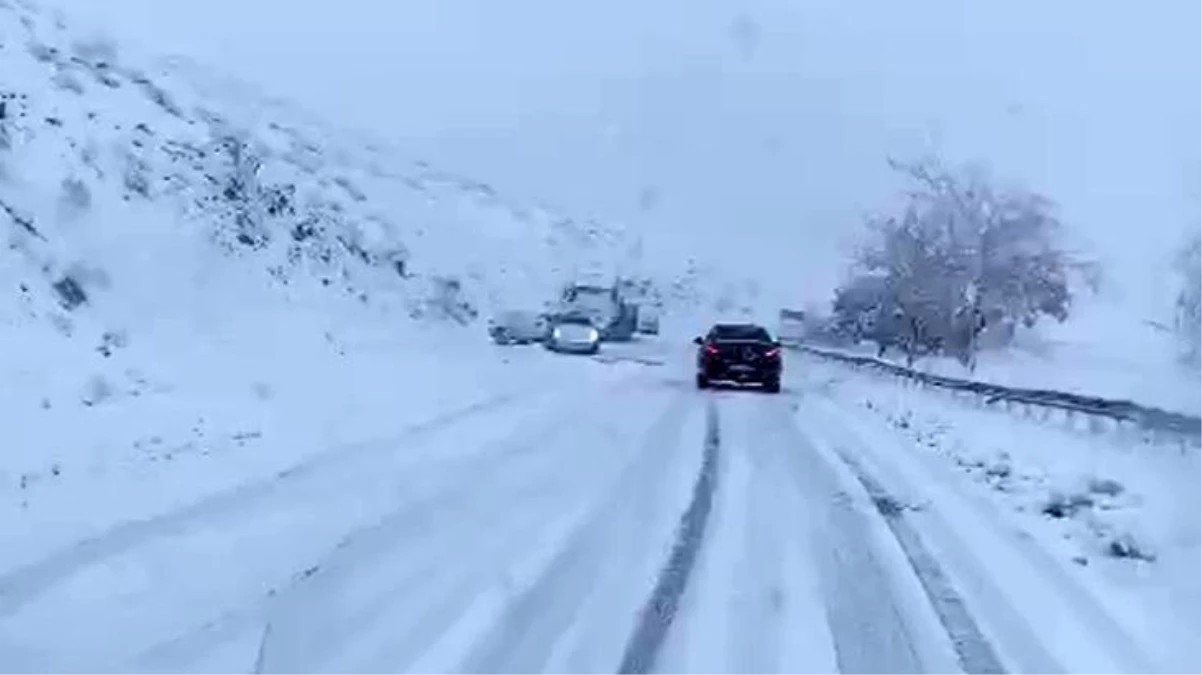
1121	515
1098	352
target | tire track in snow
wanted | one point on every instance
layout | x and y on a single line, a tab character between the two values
661	608
731	617
525	635
867	620
601	470
975	653
24	584
446	485
759	576
404	589
303	638
1064	606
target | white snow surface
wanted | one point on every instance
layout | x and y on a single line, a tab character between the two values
1078	526
291	457
851	526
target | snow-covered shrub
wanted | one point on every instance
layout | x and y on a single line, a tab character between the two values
11	107
96	390
1105	486
70	292
238	197
447	300
66	80
75	197
1189	301
96	49
1126	545
112	341
1066	504
156	94
135	176
6	141
962	257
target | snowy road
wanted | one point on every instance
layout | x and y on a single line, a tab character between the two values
594	525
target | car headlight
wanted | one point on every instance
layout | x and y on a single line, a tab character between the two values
556	334
593	335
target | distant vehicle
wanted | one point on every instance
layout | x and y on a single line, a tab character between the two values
792	326
648	320
518	327
573	334
613	316
739	353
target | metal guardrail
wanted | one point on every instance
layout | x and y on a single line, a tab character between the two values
1145	417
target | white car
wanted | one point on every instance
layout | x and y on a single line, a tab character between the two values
573	334
517	327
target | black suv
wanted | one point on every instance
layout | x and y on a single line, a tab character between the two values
739	353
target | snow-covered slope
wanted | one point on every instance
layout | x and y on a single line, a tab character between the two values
202	283
174	319
93	139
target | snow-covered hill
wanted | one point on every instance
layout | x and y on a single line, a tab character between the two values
90	139
192	271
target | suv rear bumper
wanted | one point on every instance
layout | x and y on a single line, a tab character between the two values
734	373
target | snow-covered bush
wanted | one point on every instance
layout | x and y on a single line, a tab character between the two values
962	260
1189	300
5	134
96	390
1066	504
8	101
447	301
1127	545
238	195
76	197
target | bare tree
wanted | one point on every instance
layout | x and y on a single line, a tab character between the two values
961	258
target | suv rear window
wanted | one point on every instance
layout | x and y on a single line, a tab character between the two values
740	332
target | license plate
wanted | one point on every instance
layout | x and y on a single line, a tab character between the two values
742	369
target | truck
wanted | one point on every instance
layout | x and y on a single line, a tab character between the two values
792	326
648	320
614	316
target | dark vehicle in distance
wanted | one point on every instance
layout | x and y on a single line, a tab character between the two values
738	353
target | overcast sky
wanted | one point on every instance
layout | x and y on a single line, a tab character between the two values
754	128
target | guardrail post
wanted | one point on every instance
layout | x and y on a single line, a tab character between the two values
1070	418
